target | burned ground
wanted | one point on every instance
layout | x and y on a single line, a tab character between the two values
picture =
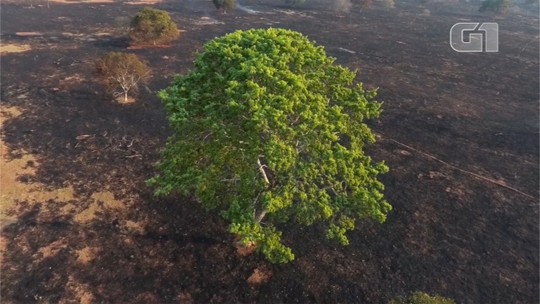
79	224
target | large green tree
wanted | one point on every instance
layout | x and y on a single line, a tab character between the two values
266	128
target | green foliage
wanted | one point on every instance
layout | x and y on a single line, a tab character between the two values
497	6
421	298
265	128
152	26
121	73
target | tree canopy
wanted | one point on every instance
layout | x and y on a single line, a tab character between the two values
266	128
152	26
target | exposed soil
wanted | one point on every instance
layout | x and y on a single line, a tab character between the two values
13	48
459	132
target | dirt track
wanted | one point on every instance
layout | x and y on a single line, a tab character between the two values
79	224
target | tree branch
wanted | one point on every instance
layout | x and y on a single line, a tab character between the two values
261	169
261	215
255	204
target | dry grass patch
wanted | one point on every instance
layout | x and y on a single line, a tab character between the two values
84	255
13	48
13	190
260	275
134	226
81	292
28	34
52	249
143	2
101	201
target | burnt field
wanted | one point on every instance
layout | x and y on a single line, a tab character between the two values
459	132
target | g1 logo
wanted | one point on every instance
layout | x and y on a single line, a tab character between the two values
467	37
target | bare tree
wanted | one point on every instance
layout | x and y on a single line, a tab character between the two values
121	73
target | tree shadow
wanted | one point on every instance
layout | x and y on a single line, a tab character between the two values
174	252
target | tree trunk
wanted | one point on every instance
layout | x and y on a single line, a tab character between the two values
125	97
260	217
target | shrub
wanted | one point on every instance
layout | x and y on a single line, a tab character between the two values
294	3
225	5
343	6
121	73
152	26
363	3
389	3
421	298
266	128
497	6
